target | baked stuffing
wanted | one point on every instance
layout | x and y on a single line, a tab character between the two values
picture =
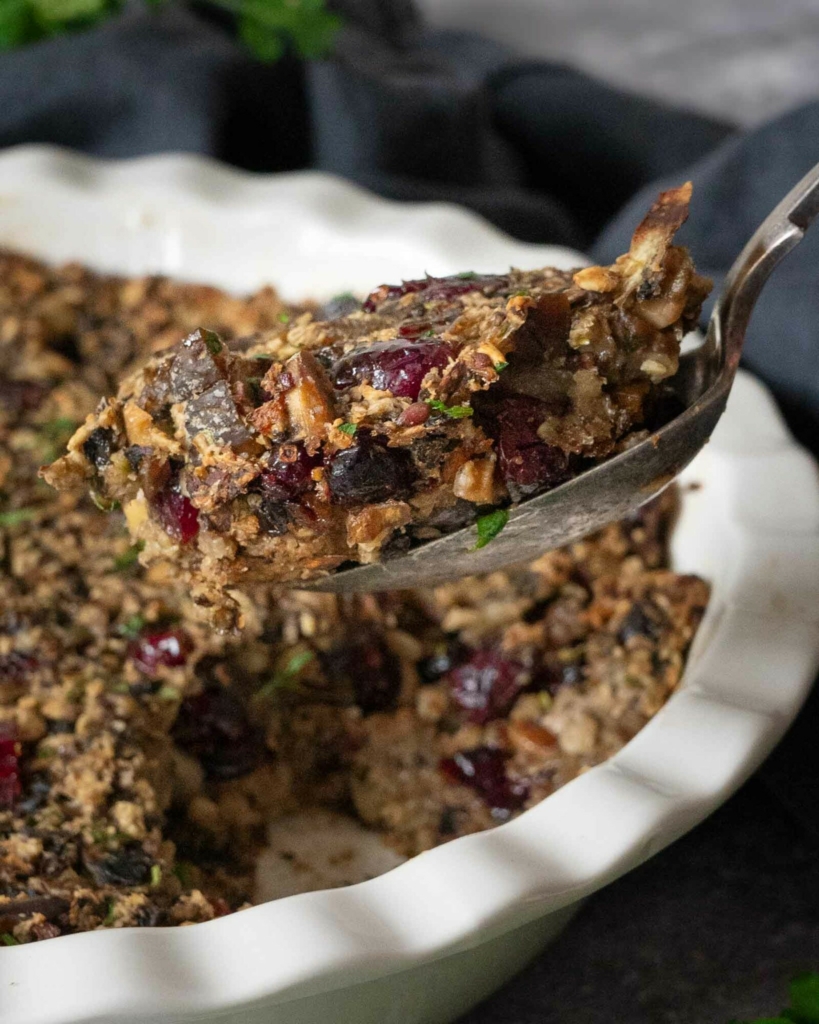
142	753
327	440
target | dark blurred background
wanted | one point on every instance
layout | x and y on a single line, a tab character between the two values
556	120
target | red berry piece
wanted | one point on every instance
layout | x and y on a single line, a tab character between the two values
214	728
157	647
487	684
484	770
526	463
369	472
10	752
289	472
393	366
177	515
370	668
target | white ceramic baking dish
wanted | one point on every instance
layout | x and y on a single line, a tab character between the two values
427	940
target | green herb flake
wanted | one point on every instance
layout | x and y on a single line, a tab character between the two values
129	557
500	366
454	412
428	334
489	526
287	679
348	428
168	693
103	503
132	627
213	342
156	875
44	753
8	939
284	318
183	870
467	275
16	516
109	917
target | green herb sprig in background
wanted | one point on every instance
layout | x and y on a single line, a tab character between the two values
267	27
804	1004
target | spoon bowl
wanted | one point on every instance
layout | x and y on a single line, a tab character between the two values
616	488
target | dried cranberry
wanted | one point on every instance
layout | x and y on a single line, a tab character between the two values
98	447
213	727
393	366
10	751
156	647
526	463
130	865
176	513
369	472
484	770
370	668
288	472
487	684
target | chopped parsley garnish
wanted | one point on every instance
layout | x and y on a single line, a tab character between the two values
500	366
489	526
167	693
156	875
455	412
214	345
8	939
16	516
348	428
467	275
132	627
129	557
109	917
284	318
103	504
183	870
287	678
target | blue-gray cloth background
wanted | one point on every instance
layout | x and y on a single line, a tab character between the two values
714	927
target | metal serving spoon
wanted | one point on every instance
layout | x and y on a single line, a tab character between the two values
618	486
